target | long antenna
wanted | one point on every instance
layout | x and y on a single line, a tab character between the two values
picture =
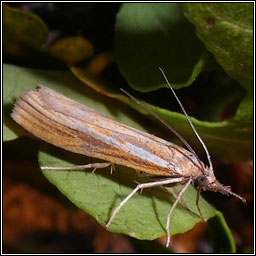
189	120
167	125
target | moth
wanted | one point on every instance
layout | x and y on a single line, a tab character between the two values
72	126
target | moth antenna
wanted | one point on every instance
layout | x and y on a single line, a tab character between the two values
189	120
167	125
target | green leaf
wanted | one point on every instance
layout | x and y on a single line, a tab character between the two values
72	49
221	235
22	31
226	29
152	35
244	113
98	193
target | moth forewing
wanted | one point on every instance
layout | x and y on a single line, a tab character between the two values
70	125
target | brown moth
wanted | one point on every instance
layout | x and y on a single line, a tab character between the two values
72	126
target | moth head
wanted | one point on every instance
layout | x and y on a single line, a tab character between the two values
207	177
207	181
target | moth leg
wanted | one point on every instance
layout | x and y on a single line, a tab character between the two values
181	200
138	187
112	168
141	190
80	167
197	205
171	210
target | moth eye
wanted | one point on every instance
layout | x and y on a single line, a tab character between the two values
201	181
